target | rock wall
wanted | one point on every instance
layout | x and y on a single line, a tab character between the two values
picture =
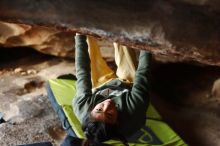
43	39
174	30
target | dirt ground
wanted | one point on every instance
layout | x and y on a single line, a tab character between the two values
182	93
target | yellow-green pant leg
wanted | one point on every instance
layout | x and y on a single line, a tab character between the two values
100	71
126	61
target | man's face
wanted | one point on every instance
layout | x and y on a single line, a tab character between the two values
105	111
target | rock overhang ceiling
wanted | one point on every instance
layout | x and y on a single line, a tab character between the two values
175	30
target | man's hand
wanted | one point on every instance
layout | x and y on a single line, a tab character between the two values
78	33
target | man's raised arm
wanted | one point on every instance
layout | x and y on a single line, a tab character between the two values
140	89
84	84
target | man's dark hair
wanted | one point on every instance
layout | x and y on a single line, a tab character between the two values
98	132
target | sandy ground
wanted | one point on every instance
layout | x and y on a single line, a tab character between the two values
23	98
182	93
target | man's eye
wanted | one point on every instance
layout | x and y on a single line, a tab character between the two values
109	115
99	109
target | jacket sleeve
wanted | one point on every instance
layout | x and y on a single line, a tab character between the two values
140	90
82	62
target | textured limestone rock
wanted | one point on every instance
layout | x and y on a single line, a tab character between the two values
175	30
44	39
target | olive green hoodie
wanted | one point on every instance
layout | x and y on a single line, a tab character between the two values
131	102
